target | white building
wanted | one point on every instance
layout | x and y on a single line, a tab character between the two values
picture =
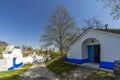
95	46
13	56
34	56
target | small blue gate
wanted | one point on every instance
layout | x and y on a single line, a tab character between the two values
14	62
91	53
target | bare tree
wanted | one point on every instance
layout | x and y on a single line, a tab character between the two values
114	5
61	30
29	48
24	47
93	23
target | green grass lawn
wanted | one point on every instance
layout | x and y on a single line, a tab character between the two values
101	75
57	64
15	74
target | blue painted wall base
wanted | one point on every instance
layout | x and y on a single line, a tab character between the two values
77	61
103	64
16	66
107	65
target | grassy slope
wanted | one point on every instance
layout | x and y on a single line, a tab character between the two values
57	64
14	75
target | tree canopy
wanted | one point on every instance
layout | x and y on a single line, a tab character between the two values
93	22
61	29
114	5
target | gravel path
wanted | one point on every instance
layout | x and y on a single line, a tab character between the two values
79	73
39	72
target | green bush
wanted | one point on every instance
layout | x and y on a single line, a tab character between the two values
1	57
27	53
2	48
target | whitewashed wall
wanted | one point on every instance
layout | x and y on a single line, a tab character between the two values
8	62
28	59
18	54
3	66
109	43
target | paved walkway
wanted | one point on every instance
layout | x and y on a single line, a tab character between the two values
39	72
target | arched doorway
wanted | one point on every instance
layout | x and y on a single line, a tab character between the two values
91	50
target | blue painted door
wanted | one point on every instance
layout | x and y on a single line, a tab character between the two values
14	62
91	53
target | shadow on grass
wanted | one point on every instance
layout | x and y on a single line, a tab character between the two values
101	75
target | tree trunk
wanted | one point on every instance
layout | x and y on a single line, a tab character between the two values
61	45
61	50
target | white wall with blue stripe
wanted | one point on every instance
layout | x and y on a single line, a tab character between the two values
109	48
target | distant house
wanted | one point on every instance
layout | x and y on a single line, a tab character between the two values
13	56
95	46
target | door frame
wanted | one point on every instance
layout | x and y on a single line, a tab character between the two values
91	53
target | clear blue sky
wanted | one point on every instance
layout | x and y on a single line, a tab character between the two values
23	21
